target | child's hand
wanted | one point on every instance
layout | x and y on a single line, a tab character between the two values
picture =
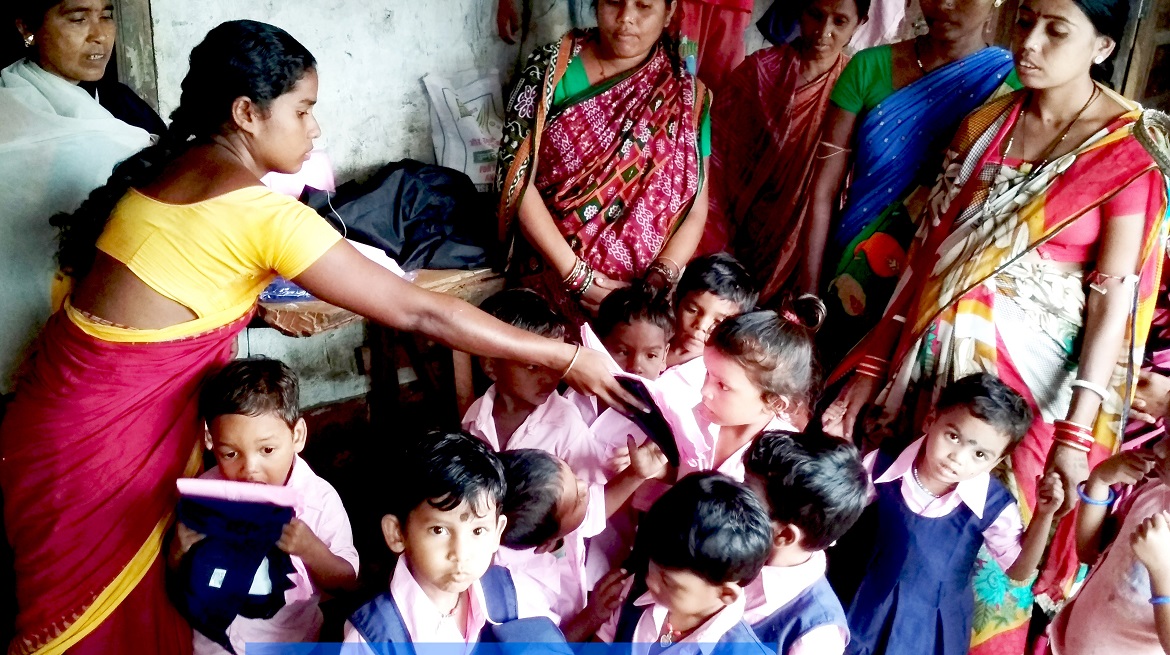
298	539
1129	467
1050	494
620	460
607	595
186	538
647	460
1151	543
1152	400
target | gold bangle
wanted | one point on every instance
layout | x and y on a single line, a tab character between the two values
571	362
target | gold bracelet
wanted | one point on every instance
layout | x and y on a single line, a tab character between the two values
571	362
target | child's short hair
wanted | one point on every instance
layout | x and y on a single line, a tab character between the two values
812	481
252	386
629	305
777	353
534	488
722	275
992	401
445	469
710	525
527	310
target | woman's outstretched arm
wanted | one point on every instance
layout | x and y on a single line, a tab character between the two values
833	160
346	278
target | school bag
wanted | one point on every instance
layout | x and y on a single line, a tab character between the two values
380	622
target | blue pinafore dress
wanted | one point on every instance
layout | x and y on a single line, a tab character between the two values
916	597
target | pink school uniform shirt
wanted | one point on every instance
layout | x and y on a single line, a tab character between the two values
1002	538
555	427
653	617
559	577
1112	613
299	620
775	587
424	622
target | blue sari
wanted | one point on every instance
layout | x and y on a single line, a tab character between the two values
899	149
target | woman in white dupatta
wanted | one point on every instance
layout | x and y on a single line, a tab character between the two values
56	145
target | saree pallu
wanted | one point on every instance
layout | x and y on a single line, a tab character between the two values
618	166
972	305
765	128
899	145
90	450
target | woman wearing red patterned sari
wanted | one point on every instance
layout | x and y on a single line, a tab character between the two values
602	164
170	256
766	123
1038	260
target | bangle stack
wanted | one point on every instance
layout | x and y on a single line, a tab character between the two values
1089	500
667	268
1073	435
874	367
578	281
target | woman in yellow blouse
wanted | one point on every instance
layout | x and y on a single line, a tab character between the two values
170	256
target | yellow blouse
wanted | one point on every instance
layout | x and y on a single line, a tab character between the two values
213	257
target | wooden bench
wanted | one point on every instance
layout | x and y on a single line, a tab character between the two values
307	318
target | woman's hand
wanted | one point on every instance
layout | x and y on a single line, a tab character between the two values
590	375
840	416
1152	400
602	286
1073	467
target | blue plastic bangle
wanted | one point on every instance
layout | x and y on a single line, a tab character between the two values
1160	600
1093	501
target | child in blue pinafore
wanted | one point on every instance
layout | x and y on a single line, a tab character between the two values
935	505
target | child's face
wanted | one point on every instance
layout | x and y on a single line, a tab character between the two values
527	383
571	506
638	348
447	551
686	594
729	397
698	314
960	446
255	448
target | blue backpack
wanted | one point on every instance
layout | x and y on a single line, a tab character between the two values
380	622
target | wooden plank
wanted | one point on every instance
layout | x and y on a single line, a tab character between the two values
134	49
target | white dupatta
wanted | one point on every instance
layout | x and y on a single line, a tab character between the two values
56	145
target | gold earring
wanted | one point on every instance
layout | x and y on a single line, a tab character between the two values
28	41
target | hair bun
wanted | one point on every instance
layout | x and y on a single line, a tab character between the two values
806	310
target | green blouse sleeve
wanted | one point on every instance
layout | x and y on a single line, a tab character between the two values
574	81
705	133
868	79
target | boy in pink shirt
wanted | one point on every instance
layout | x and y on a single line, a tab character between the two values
522	408
255	431
711	289
704	541
814	488
444	523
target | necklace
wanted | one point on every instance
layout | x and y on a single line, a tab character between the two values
669	635
1052	147
458	600
914	472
